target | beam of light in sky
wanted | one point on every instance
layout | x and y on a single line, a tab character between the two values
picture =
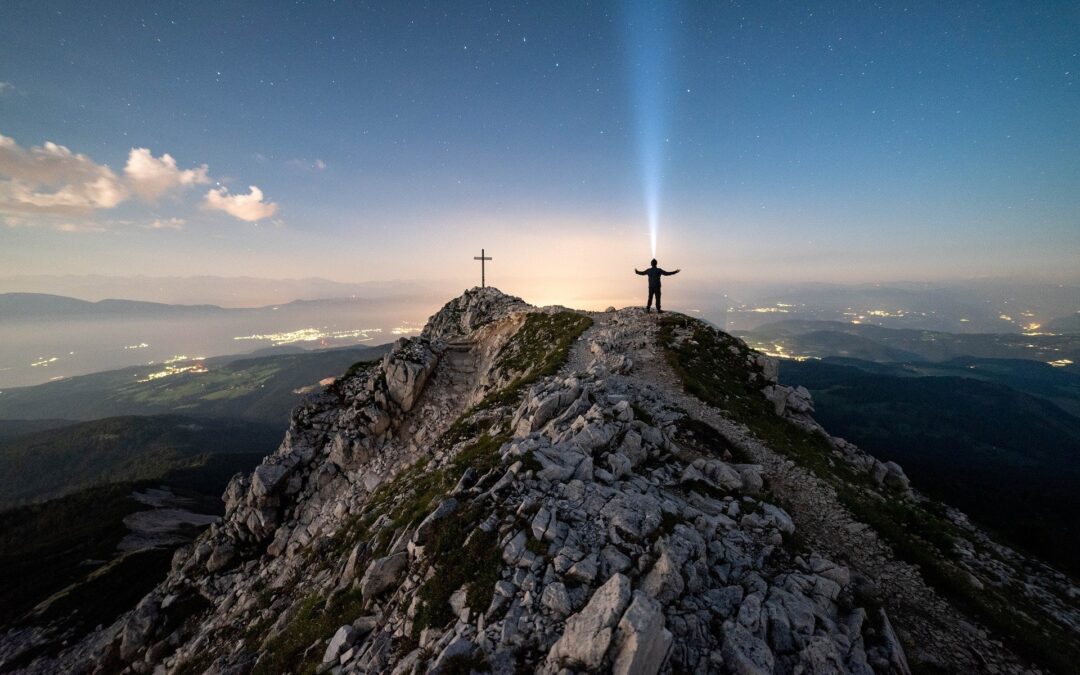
648	37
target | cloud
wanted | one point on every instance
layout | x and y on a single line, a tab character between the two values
6	88
50	178
150	177
307	165
54	222
80	228
249	207
167	224
64	223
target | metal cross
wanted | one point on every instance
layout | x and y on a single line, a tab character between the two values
482	258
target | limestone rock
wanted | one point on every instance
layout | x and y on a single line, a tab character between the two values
383	574
342	639
588	633
605	544
268	478
641	641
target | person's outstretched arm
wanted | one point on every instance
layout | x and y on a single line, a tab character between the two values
668	274
639	272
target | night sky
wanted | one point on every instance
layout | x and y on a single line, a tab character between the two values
841	141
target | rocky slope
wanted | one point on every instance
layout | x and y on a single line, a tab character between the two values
523	489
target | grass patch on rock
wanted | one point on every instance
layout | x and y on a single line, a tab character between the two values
359	367
642	414
314	622
464	664
529	462
541	345
475	564
704	439
538	349
705	488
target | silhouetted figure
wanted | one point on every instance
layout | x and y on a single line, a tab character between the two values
654	273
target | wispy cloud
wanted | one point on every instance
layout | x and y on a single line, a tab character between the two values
166	224
6	88
57	223
89	224
307	164
80	228
249	207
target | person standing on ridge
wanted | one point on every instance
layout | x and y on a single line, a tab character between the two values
654	273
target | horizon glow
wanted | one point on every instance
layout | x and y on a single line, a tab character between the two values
647	30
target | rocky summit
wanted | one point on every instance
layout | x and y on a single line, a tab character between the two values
524	489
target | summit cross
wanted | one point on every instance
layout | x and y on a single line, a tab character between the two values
482	258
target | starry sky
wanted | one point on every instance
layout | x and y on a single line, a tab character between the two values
835	141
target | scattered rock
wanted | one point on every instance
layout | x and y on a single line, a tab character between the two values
383	574
605	545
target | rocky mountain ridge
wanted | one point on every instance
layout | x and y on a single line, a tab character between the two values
543	490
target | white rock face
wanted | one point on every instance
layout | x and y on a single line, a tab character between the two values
447	522
407	371
339	643
641	641
588	633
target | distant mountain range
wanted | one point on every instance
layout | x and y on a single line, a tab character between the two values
48	337
209	289
39	306
24	307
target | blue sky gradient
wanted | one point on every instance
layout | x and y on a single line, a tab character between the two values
841	141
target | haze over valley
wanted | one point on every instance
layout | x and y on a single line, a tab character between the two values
47	338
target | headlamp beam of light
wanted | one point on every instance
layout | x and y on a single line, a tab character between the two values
648	35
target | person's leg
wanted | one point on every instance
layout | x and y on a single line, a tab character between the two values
648	305
658	310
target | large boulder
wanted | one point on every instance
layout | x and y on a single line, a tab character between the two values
665	580
446	507
407	369
383	574
220	557
588	633
267	478
641	641
344	637
745	653
138	627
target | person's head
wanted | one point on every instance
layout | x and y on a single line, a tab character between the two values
653	263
